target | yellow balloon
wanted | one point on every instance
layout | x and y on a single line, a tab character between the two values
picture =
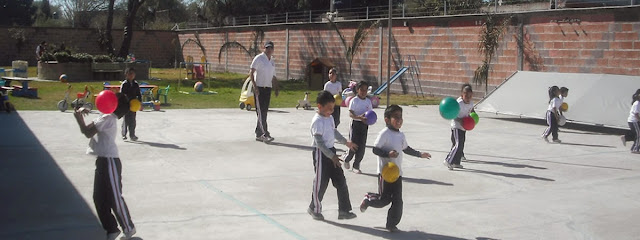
338	99
134	105
390	172
564	107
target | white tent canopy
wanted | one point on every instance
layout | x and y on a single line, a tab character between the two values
600	99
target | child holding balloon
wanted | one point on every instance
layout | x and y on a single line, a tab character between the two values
389	146
131	90
358	128
107	185
553	115
335	88
459	125
633	120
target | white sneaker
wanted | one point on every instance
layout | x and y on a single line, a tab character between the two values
447	164
113	235
546	139
356	171
129	234
346	165
624	140
463	158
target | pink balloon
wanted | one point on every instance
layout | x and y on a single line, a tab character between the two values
468	123
375	101
107	101
348	101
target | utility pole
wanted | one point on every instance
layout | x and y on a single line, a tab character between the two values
389	52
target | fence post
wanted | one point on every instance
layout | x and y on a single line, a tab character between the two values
249	20
403	6
266	19
445	7
286	17
310	16
367	12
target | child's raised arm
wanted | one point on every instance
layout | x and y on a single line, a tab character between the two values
416	153
87	130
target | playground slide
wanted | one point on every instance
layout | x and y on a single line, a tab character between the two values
395	77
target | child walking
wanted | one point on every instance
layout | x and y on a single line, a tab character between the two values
633	119
334	87
358	129
326	163
389	146
553	114
107	185
131	90
458	133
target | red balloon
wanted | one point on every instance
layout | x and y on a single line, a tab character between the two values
468	123
107	101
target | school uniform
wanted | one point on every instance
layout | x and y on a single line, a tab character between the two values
131	89
265	71
324	134
632	120
389	139
334	88
554	103
358	130
458	133
107	185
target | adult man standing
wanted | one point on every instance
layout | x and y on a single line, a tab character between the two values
40	49
263	78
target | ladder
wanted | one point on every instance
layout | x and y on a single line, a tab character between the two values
413	66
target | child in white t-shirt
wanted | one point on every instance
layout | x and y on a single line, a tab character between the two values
389	146
458	133
553	115
334	87
326	163
358	129
633	120
107	185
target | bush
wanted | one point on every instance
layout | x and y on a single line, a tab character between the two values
47	56
118	59
62	57
82	58
102	59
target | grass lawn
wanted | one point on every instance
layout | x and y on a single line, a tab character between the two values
227	86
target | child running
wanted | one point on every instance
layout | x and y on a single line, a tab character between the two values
107	185
458	133
358	106
326	163
553	114
389	146
633	119
334	87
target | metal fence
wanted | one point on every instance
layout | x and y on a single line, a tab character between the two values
443	8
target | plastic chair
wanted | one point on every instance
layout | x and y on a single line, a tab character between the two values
189	67
164	92
203	60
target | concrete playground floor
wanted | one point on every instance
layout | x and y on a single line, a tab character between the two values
200	174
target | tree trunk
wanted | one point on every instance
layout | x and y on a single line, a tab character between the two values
109	43
128	29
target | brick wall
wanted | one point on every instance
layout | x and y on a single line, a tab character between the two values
156	46
573	41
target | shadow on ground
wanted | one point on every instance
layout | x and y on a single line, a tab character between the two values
159	145
413	180
380	232
588	129
38	201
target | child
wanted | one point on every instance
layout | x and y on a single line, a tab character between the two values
131	90
389	146
334	87
553	115
458	133
326	163
634	118
107	185
358	130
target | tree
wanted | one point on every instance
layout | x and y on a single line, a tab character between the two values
45	9
16	12
252	51
490	36
132	8
108	36
353	48
80	12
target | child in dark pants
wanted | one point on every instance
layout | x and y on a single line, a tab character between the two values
131	90
458	133
326	163
107	186
553	114
358	106
389	146
633	120
334	87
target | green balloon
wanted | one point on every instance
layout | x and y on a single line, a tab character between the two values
449	108
475	117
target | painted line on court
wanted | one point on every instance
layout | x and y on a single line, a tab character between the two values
251	209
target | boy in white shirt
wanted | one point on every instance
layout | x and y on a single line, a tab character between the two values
107	185
553	115
633	119
458	133
389	146
334	87
358	129
326	163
